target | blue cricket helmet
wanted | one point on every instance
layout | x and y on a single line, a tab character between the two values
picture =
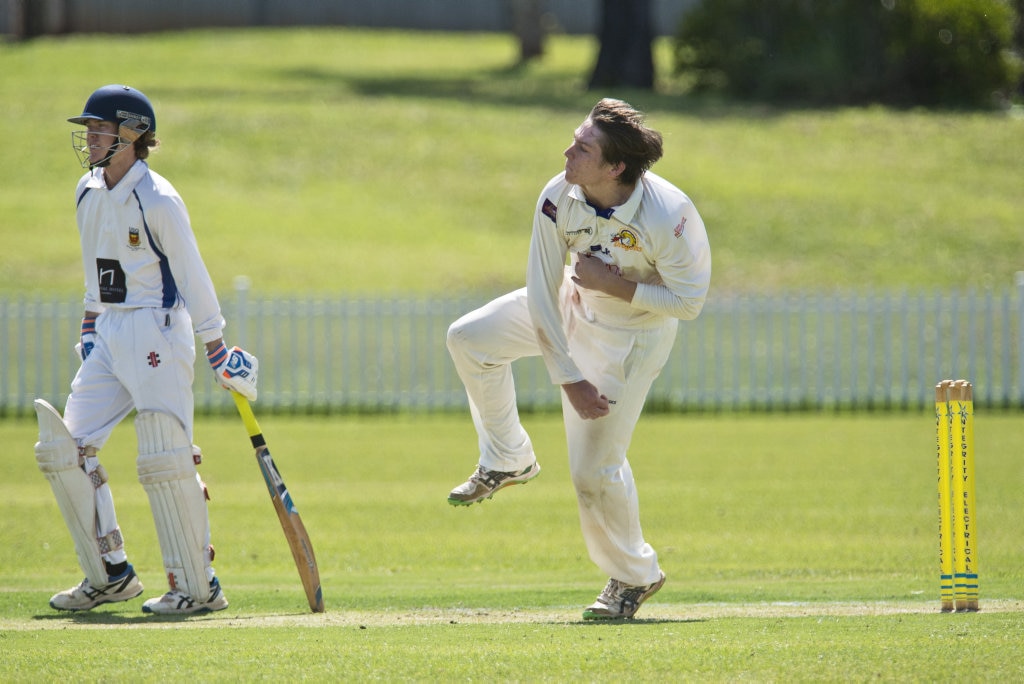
121	104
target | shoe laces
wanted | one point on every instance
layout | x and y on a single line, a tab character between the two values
85	588
488	478
610	592
619	594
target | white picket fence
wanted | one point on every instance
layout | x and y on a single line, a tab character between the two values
794	351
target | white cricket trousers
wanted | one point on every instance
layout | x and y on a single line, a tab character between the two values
622	364
143	359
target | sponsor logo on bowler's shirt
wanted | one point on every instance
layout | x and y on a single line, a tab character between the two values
678	231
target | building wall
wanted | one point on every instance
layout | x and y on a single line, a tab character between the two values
37	17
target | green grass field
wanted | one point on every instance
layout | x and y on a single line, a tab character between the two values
368	161
798	546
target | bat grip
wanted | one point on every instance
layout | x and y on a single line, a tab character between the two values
245	410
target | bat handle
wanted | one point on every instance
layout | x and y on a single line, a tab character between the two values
245	410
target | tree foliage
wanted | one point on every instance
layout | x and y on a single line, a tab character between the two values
900	52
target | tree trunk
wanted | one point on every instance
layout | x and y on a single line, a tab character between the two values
527	23
1018	38
625	57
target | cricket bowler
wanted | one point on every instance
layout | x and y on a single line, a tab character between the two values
638	262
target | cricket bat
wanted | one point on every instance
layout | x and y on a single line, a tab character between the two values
291	523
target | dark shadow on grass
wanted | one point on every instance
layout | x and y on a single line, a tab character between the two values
636	621
101	617
512	87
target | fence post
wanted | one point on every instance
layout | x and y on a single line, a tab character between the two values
242	284
1019	281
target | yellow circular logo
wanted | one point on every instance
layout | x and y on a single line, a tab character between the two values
626	239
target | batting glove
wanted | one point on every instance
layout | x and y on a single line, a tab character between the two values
88	338
236	370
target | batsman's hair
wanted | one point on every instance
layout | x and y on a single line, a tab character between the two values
625	138
144	143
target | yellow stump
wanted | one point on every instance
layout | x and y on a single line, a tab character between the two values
954	448
965	578
943	442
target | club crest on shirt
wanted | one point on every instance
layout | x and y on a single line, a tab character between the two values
549	209
134	241
626	239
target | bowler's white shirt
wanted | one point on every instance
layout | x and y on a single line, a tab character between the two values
656	238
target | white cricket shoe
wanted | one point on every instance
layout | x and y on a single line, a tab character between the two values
621	601
177	602
86	597
483	484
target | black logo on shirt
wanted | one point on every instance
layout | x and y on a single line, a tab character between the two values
113	288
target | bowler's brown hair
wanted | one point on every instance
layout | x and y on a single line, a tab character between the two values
625	138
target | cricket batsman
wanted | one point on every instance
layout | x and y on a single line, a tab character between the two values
147	296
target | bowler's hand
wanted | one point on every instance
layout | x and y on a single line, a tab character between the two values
584	397
593	274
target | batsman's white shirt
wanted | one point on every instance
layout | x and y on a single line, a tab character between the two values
657	239
142	269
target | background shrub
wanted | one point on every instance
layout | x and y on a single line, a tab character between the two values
899	52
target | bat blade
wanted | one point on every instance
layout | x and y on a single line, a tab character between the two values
291	522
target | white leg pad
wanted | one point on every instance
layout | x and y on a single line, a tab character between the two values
58	457
178	499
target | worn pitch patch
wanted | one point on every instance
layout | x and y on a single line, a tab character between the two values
114	616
